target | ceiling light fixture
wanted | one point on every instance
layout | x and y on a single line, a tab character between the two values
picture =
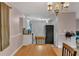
57	7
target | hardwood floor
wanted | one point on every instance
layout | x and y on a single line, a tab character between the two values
38	50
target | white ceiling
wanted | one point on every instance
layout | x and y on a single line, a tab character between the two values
39	9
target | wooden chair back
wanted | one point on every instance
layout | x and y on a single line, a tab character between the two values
68	51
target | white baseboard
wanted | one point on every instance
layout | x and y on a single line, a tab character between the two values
16	50
59	46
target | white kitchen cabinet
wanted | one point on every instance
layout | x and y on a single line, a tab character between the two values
27	39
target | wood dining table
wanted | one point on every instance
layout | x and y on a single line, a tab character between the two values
39	38
39	50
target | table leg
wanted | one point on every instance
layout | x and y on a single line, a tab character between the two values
41	41
36	41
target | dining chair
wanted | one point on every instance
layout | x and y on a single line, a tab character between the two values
68	51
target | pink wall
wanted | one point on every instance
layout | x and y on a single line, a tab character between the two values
66	22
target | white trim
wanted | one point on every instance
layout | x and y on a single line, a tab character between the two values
16	50
13	36
8	4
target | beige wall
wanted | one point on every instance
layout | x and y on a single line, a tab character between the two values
15	32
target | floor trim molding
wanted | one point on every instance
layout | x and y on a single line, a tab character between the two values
16	50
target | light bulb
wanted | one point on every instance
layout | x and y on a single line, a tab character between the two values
49	6
66	4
